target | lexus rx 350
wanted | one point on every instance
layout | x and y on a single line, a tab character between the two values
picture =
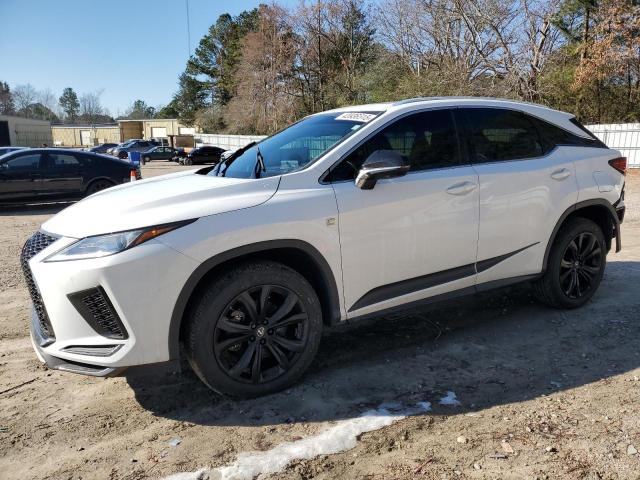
345	214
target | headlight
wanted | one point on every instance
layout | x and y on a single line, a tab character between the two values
111	243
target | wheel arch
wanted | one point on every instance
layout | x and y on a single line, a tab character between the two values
599	211
296	254
93	180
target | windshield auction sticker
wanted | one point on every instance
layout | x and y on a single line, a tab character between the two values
356	116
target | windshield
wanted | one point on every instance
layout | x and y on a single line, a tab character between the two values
293	147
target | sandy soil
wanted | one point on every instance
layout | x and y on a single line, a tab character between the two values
544	393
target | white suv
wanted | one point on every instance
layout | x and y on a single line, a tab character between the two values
344	214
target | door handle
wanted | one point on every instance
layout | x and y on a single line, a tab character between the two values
461	188
561	174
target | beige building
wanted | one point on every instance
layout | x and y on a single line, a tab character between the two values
88	135
84	135
160	128
24	132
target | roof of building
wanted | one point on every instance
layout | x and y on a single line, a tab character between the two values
94	125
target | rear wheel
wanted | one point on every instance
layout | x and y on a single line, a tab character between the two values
254	331
187	161
576	265
98	185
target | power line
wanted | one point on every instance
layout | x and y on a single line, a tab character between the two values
186	3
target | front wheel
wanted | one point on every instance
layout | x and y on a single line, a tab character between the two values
576	265
254	330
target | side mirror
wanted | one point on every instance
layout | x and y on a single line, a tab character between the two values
381	164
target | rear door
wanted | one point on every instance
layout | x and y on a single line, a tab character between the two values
524	183
20	177
63	175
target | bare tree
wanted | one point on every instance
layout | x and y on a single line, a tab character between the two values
90	106
24	95
264	102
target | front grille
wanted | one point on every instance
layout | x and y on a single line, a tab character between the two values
95	307
34	245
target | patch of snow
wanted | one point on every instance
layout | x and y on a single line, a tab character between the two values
450	399
338	438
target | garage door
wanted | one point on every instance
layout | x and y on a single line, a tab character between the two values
159	132
187	131
85	137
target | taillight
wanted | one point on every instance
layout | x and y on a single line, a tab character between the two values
620	164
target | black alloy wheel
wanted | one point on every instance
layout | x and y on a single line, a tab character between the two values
253	330
576	264
98	185
260	334
580	265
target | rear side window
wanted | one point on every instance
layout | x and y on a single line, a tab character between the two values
500	135
63	160
427	139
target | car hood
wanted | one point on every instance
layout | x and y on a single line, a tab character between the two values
159	200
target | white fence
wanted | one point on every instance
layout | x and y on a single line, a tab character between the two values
621	136
228	142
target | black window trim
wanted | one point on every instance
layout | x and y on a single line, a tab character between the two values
463	157
471	150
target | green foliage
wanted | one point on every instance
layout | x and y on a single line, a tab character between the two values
7	106
69	103
140	110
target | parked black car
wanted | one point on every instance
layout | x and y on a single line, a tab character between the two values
162	153
103	147
47	174
202	155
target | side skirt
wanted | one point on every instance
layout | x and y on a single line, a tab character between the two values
463	292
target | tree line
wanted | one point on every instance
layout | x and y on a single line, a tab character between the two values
70	108
256	72
260	70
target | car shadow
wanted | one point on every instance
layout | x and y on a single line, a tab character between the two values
33	209
490	349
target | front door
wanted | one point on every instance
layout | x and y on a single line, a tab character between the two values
410	237
20	178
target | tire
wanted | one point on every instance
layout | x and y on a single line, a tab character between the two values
187	161
575	267
231	308
145	160
123	155
98	185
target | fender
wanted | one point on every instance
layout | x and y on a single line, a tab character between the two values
206	266
576	207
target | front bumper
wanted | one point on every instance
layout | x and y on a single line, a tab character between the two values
140	287
38	339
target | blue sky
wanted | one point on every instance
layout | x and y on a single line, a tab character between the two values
130	48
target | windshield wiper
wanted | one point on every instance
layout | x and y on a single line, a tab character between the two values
259	163
231	158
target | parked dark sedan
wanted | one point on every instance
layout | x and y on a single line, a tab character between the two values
103	147
49	174
162	153
202	155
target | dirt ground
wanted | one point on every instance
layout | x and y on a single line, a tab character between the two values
544	393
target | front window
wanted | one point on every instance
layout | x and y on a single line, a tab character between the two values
293	147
